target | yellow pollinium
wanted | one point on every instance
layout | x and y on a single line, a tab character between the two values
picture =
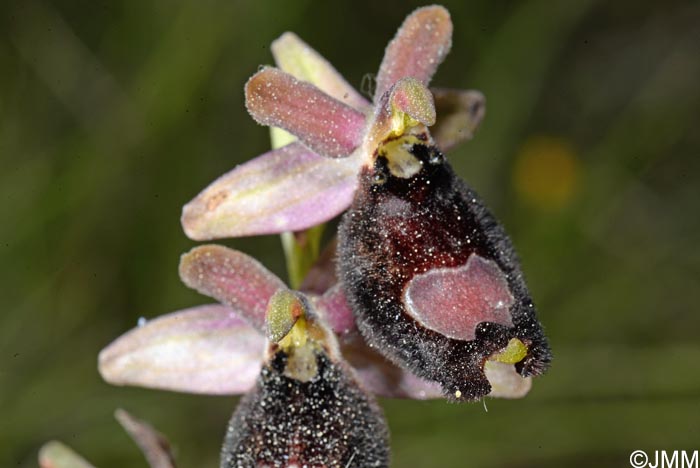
513	353
401	122
412	105
296	337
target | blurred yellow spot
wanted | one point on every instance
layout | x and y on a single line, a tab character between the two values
546	172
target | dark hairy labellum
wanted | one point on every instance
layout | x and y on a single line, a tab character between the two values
326	422
431	275
306	410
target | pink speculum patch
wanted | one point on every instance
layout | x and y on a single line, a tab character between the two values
454	301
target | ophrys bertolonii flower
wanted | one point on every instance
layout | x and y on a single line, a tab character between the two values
430	274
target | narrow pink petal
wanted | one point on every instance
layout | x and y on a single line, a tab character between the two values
55	454
297	58
381	377
154	446
478	292
420	45
206	349
505	381
232	278
459	113
288	189
324	124
334	307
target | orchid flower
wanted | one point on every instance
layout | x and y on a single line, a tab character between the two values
334	131
218	348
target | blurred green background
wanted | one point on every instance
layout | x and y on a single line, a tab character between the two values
115	114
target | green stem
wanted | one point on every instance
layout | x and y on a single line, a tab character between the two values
301	250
